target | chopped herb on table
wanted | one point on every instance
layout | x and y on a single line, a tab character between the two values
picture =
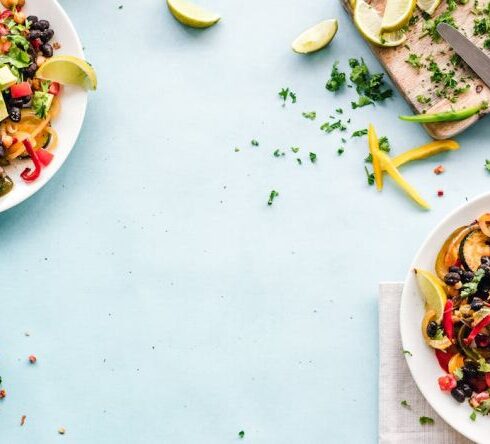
286	93
312	157
311	115
300	162
339	111
407	352
383	145
278	153
473	415
362	101
272	196
424	420
487	164
360	133
241	434
430	25
369	176
423	100
370	85
340	151
415	61
486	43
405	403
295	149
337	125
254	143
337	79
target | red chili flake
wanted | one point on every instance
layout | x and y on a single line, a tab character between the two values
3	393
439	169
23	420
440	193
32	359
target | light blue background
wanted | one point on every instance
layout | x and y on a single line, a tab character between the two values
166	302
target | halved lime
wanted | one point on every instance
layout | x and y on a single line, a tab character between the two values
433	291
192	15
397	14
316	37
368	21
68	70
428	6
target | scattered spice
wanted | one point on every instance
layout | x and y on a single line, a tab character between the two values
440	193
3	393
32	359
439	169
61	430
23	420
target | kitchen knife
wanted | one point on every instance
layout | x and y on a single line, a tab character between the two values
467	50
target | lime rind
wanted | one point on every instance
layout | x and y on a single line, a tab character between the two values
316	37
68	70
397	14
192	15
428	6
433	291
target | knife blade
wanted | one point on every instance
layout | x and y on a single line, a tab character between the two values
467	50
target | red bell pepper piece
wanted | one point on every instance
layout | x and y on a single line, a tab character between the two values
447	383
27	175
45	157
6	14
54	88
443	358
20	90
447	319
477	329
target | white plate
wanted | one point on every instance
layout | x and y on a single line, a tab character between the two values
73	105
423	364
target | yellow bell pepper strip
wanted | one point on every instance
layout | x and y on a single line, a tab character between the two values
424	151
447	116
388	166
374	147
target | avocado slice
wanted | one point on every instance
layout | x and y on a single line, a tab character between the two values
3	108
7	79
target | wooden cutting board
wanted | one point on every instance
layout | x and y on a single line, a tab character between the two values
412	83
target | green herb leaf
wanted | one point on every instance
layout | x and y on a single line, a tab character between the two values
362	101
310	115
407	352
337	79
254	143
241	434
426	420
278	153
473	415
272	196
415	61
312	157
487	165
370	176
360	133
405	403
471	287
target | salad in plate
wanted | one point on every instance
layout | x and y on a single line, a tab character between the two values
31	86
457	318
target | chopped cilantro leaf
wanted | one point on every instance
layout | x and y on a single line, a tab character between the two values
278	153
339	111
241	434
405	403
407	352
473	415
285	93
360	133
430	25
272	196
424	100
415	61
370	176
337	79
329	127
367	84
426	420
340	151
300	162
362	101
295	149
312	157
487	164
254	143
310	115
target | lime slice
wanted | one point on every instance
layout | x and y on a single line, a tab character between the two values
428	6
368	21
397	14
316	37
433	291
68	70
192	15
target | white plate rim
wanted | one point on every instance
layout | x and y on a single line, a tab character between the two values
456	415
13	199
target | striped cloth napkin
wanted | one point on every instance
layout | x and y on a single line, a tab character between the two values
399	424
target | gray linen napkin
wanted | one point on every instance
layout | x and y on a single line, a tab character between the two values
398	424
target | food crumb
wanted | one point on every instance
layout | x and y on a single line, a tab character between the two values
32	359
23	420
440	193
61	431
3	393
439	169
56	45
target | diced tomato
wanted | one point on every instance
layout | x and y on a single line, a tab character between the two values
45	157
6	14
447	383
54	88
3	30
487	378
443	358
36	43
6	47
20	90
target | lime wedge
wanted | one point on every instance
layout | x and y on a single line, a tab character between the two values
316	37
433	291
397	14
428	6
192	15
368	21
68	70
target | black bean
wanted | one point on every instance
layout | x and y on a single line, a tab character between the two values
485	260
467	277
16	103
14	114
42	25
36	27
454	269
476	304
30	71
47	35
467	390
470	370
458	394
452	278
432	329
47	50
35	34
485	268
32	19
